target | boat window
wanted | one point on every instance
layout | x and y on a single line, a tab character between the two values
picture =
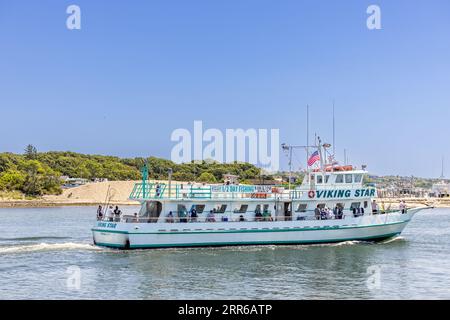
358	178
355	205
242	209
301	207
222	209
258	208
340	178
152	210
348	178
312	178
319	179
327	177
199	208
340	205
366	204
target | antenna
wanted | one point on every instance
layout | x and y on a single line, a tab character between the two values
334	133
307	132
442	172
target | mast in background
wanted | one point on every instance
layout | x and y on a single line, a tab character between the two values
334	134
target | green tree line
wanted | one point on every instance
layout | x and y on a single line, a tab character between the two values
38	173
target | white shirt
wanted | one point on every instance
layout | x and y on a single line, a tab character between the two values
109	213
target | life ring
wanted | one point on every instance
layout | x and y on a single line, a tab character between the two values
311	194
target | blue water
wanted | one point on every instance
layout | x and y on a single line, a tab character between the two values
48	254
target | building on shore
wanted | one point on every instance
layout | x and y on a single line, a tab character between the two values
441	189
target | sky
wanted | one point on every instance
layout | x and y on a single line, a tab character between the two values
138	70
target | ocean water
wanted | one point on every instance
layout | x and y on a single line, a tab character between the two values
47	253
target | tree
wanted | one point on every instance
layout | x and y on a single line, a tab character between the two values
12	180
207	177
30	152
183	176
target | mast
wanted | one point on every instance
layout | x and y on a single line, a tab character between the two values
307	141
334	134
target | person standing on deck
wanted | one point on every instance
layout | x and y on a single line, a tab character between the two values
317	212
374	207
99	213
117	214
110	214
402	206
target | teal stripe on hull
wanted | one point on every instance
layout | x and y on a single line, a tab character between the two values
252	231
222	244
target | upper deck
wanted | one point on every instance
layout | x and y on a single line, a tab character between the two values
314	181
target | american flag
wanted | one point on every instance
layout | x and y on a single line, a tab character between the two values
314	157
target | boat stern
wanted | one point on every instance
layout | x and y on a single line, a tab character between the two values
111	235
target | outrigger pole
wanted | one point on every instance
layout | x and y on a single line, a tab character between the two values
144	172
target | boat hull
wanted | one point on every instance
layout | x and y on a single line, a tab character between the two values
167	235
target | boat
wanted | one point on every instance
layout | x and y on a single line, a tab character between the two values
331	205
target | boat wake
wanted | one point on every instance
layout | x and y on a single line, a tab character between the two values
33	238
40	247
398	238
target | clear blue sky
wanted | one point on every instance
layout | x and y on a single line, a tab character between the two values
137	70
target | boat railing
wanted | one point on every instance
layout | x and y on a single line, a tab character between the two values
153	191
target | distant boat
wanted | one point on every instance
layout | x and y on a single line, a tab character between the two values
331	205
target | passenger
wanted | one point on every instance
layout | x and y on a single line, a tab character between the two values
110	214
183	216
340	213
266	215
224	219
194	215
117	214
402	207
323	214
158	190
355	212
330	214
210	217
169	218
99	213
374	207
135	218
317	213
258	216
335	212
241	218
362	211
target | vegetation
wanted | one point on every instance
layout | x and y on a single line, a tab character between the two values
38	173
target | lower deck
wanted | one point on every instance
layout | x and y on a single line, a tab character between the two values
163	235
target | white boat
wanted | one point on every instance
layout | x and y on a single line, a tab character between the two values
195	215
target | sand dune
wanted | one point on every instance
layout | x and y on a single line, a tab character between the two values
96	193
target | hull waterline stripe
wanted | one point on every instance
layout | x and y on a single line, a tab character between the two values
243	243
255	231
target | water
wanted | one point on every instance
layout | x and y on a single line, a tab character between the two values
41	249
